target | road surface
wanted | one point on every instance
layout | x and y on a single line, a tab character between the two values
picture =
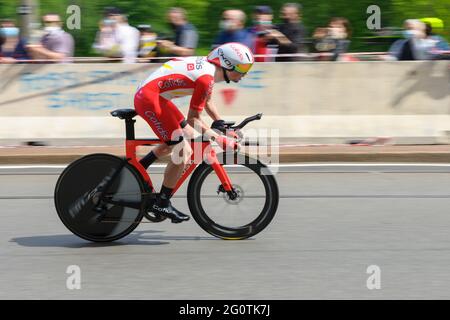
333	223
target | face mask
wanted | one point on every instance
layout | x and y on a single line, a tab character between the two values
263	22
10	32
52	29
108	22
408	34
337	33
226	25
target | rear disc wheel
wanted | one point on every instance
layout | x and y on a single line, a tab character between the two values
78	203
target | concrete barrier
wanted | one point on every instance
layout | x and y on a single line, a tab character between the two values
403	100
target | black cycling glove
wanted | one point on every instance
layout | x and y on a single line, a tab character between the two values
219	125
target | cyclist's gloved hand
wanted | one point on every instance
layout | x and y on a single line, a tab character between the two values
219	125
232	134
227	144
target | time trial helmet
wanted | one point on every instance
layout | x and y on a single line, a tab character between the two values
232	56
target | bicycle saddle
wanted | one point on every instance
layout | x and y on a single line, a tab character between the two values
124	113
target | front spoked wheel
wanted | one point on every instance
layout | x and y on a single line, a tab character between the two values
81	188
227	217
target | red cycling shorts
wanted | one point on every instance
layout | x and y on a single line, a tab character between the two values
164	117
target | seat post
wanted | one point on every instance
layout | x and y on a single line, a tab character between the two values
129	126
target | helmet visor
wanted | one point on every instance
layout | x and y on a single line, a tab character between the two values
243	68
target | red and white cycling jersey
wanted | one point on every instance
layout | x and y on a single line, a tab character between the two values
182	77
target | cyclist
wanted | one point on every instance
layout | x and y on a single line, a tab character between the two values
193	76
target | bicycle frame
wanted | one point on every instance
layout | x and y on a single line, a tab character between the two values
207	153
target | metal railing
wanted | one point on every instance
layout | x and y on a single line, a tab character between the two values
354	56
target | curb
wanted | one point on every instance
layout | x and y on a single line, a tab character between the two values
423	153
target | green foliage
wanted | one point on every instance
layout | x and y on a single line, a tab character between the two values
205	15
7	9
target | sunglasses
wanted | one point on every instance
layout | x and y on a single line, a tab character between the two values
243	68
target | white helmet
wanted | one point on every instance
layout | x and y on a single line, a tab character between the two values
232	56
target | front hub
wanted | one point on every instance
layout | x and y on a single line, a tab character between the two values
234	196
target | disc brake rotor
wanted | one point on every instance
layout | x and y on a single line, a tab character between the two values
239	195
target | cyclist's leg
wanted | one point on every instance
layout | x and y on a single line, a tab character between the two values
174	169
157	152
167	122
146	102
183	152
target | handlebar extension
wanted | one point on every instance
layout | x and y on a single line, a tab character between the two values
247	120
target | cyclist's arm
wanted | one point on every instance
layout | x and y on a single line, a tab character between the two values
198	124
199	101
195	121
211	110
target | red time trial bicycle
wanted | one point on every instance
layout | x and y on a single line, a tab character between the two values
102	197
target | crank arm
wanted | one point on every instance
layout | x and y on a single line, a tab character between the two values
124	203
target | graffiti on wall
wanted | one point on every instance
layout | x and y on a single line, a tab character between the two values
112	89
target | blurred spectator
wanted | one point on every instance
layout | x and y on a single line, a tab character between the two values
441	43
291	33
262	27
105	40
232	29
186	36
147	42
413	46
333	39
116	38
56	44
434	43
434	27
12	47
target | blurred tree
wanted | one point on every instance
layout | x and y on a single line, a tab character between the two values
7	9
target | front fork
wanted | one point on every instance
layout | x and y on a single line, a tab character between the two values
222	174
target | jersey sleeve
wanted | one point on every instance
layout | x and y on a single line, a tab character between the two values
202	92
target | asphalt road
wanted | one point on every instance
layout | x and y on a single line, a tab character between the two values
333	222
